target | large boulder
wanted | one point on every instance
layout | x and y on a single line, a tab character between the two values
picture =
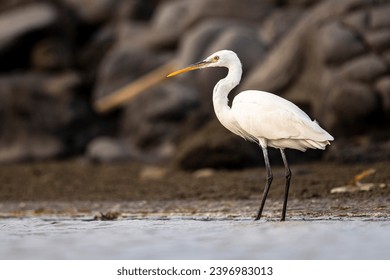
153	122
23	20
172	19
22	27
124	64
212	147
92	11
41	116
181	15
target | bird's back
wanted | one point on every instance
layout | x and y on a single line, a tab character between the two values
277	122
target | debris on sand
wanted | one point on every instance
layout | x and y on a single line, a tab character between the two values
108	216
355	184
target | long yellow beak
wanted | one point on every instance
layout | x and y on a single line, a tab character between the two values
192	67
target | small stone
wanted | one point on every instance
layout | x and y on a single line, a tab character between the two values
203	173
105	149
152	173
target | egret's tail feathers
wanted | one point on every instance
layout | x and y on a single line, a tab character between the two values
298	144
316	144
317	133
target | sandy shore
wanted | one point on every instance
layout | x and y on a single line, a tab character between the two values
74	188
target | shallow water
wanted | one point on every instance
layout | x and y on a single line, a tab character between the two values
193	238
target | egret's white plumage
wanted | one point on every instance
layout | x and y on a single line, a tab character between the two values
295	131
260	116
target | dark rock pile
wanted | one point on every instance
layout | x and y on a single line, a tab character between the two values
332	58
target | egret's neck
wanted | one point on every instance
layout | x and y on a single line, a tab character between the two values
222	90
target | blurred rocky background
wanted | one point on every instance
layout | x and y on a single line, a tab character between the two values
58	58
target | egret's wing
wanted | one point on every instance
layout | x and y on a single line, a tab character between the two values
265	115
275	124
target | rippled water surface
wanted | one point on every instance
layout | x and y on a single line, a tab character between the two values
193	238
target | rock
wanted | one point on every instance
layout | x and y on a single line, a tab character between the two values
91	55
386	56
248	10
378	40
173	18
92	11
203	173
152	173
380	16
106	149
194	44
34	146
61	85
40	113
215	147
351	103
51	54
23	20
359	149
305	3
180	15
34	95
20	28
172	15
278	23
122	65
338	43
135	10
357	20
363	68
243	40
287	59
154	120
383	87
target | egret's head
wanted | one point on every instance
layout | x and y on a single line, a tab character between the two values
219	59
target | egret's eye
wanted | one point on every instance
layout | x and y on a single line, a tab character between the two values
215	58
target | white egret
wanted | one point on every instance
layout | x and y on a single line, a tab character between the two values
262	117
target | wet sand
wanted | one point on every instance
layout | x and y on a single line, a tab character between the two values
75	210
79	189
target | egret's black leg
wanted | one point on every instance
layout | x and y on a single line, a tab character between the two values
287	187
267	183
